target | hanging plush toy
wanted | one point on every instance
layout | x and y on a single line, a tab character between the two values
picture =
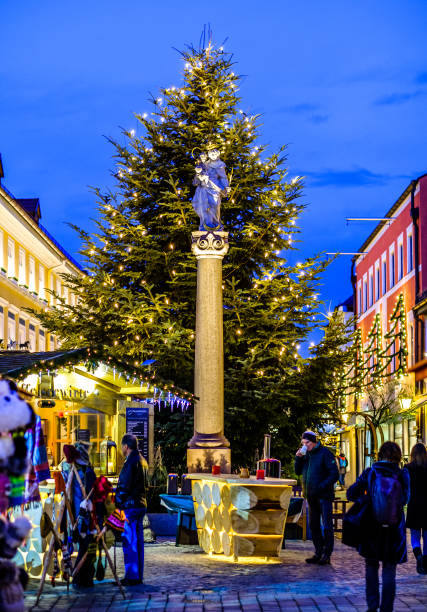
12	535
15	413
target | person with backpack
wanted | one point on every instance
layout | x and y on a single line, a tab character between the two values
342	468
384	535
416	515
319	472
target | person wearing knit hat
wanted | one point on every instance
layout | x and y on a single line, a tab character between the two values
318	468
78	455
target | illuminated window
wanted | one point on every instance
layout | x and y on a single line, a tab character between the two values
41	282
32	274
21	267
11	257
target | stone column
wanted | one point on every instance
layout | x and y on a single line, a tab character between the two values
208	446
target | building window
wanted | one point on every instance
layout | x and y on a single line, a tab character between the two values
22	331
1	251
11	257
41	282
377	283
392	270
371	289
21	267
32	274
42	341
360	307
32	337
400	261
11	330
410	254
384	288
2	339
365	296
412	345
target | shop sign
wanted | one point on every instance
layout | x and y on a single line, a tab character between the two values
137	424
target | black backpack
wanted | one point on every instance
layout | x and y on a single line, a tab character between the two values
386	494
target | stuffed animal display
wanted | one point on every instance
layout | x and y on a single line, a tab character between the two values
16	416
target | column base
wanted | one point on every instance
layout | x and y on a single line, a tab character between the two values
202	459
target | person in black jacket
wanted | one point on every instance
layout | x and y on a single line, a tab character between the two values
416	515
131	498
319	474
382	542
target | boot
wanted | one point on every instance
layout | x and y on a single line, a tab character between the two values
419	558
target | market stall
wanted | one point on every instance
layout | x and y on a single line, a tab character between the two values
241	517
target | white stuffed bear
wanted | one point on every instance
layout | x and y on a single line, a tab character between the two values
15	413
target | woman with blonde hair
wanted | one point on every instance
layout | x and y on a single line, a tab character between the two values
416	515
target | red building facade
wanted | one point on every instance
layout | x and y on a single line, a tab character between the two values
393	267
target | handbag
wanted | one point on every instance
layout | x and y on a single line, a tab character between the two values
355	521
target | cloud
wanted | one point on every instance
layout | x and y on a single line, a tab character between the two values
348	178
398	98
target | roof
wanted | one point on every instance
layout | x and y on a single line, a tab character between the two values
15	364
12	362
389	213
347	305
40	226
31	206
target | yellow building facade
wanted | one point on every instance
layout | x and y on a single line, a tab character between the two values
31	262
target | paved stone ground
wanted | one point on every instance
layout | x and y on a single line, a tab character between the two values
184	579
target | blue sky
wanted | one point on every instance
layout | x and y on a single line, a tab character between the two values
344	84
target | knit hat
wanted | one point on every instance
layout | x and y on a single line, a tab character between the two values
102	488
309	435
83	450
117	520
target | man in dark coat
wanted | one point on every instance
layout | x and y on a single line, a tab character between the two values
319	474
385	543
131	498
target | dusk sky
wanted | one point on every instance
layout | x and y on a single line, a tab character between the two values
344	84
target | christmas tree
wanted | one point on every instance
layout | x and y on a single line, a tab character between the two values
138	299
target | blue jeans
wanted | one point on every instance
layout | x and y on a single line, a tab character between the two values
133	544
323	540
373	585
416	539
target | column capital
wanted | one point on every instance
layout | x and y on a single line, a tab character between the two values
213	244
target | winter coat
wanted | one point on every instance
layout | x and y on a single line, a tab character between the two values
319	472
132	484
382	543
416	515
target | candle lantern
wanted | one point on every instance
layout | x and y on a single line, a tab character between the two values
272	467
108	457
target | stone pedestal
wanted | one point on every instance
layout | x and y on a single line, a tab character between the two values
208	446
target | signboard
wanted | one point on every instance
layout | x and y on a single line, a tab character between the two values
137	424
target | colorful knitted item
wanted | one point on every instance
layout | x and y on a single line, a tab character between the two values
102	488
17	489
4	492
117	520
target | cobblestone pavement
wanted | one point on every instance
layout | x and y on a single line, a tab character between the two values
184	579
